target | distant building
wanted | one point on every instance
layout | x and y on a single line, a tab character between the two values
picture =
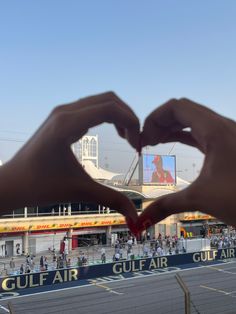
87	149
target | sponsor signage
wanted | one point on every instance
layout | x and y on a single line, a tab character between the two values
197	217
12	283
59	223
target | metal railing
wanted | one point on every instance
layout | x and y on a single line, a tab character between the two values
186	294
59	214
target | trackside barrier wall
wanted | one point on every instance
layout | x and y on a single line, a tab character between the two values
34	280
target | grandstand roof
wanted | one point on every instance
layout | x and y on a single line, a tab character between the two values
153	191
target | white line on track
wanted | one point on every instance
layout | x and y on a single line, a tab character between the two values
230	268
116	292
229	293
226	271
116	280
4	309
107	288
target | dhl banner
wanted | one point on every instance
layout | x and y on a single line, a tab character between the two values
197	217
61	222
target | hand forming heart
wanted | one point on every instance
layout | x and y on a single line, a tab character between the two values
45	170
213	192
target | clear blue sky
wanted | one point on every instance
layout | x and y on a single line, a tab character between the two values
53	52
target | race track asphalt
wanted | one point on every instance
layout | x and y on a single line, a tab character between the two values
212	289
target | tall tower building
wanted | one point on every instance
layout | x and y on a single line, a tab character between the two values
87	149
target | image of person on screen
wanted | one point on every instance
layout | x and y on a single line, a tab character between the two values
161	175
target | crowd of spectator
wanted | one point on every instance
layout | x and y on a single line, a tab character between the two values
167	245
162	245
223	241
123	249
56	262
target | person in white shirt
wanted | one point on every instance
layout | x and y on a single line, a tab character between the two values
159	251
130	242
117	256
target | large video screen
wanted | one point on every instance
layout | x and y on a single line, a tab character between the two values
159	169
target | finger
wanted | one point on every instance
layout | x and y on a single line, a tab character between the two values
127	124
121	131
100	194
72	125
80	187
176	115
165	206
184	137
96	100
115	200
167	136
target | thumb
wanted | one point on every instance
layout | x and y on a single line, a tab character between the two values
115	200
165	206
